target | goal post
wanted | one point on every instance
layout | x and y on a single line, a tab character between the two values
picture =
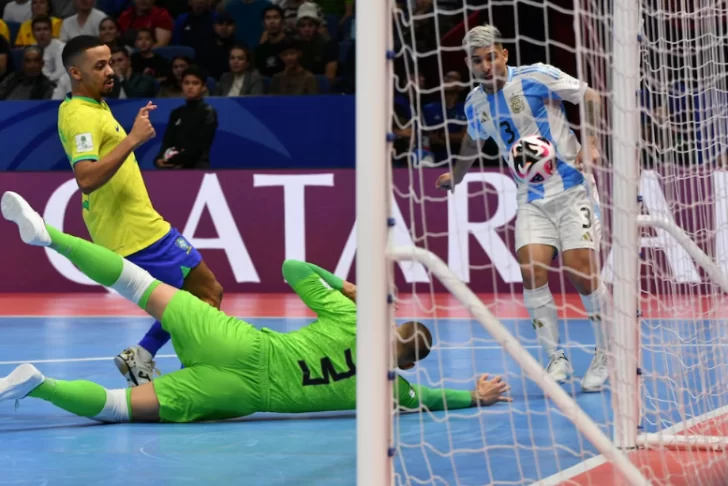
373	115
625	82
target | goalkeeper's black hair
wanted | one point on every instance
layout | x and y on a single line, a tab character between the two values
77	46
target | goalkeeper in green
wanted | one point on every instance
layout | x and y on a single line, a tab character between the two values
231	368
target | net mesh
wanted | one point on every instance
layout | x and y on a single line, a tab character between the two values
682	146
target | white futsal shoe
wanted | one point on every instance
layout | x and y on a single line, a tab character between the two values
559	367
597	374
23	380
136	365
31	225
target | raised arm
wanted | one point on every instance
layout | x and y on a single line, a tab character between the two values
92	173
319	289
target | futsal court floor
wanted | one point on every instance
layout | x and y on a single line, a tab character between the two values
529	441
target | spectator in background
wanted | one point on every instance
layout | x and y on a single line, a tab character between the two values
294	79
39	8
191	128
63	87
129	84
196	28
29	83
242	80
320	55
17	11
290	14
247	15
52	49
113	8
143	14
146	61
268	53
5	31
175	7
216	57
110	34
86	21
173	87
452	114
6	63
62	8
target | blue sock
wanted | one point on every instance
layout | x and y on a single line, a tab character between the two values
155	338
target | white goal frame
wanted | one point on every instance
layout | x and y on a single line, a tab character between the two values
375	256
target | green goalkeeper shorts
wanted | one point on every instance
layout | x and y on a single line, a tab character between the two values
225	359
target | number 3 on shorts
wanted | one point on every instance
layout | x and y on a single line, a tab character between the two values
586	217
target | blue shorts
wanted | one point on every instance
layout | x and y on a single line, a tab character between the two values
168	260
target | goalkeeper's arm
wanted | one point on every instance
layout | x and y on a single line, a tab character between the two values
295	271
487	392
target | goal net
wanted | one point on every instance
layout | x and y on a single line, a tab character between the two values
659	66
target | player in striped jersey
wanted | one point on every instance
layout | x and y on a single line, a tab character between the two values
559	215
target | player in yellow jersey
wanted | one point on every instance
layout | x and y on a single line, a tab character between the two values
116	206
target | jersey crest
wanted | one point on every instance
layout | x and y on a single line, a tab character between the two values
517	104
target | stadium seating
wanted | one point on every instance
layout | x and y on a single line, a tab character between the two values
13	27
170	52
17	54
344	47
332	24
323	84
211	85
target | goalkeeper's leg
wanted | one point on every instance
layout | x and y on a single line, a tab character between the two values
536	243
189	395
99	264
201	334
82	398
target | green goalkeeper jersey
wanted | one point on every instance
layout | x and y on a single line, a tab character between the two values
314	369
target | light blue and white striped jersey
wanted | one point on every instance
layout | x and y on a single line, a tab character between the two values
531	103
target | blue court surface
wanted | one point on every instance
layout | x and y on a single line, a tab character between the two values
512	444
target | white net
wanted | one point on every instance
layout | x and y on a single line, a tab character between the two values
683	118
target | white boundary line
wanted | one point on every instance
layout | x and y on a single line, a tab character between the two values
596	461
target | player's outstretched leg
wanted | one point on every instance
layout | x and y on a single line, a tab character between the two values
99	264
82	398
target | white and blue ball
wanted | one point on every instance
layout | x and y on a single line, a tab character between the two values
533	159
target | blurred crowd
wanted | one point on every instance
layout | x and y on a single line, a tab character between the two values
244	47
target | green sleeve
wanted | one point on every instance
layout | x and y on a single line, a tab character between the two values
441	399
414	397
319	289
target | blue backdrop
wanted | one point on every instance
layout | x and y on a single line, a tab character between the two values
262	132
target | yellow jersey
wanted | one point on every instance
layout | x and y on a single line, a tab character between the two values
119	215
25	35
5	31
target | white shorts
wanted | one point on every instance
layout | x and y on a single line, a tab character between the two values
566	222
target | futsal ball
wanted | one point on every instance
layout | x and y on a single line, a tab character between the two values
170	152
533	159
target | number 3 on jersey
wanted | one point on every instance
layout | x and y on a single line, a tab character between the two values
507	133
328	372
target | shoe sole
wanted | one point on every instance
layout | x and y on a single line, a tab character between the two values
124	370
16	209
592	390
